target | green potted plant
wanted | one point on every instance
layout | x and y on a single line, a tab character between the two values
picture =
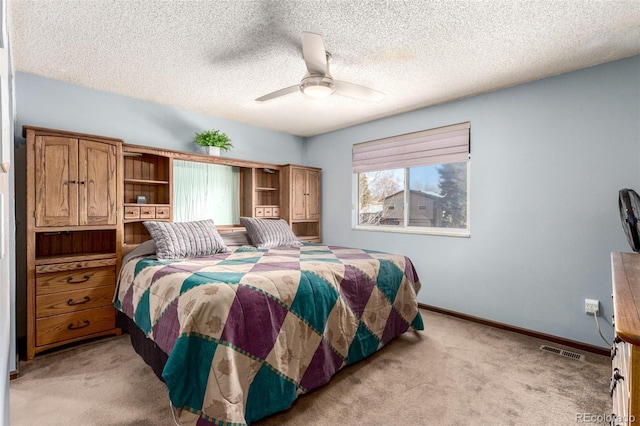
214	141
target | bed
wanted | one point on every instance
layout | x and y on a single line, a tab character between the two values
243	333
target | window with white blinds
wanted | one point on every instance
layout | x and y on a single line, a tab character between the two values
416	182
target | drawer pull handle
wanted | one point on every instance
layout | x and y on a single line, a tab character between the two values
614	381
85	323
83	280
612	387
616	375
72	302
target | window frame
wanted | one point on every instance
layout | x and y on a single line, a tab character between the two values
406	229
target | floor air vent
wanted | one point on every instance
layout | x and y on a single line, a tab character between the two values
562	352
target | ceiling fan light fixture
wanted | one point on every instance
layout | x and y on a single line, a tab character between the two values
317	87
317	82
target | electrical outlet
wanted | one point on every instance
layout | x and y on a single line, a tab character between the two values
591	306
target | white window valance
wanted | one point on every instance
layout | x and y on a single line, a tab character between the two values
450	144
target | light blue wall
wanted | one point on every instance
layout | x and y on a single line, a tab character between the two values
54	104
548	159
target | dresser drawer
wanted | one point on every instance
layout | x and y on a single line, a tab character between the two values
131	212
74	266
69	326
55	282
147	212
267	212
72	301
162	212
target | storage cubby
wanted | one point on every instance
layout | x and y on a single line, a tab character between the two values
261	192
307	231
135	233
75	243
148	175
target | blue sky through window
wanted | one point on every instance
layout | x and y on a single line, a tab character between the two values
424	178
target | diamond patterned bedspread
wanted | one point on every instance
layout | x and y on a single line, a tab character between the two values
249	331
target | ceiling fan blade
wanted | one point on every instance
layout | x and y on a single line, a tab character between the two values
315	56
358	92
278	93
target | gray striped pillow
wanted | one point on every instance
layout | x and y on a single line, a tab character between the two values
267	233
179	240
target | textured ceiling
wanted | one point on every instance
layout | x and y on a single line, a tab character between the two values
216	57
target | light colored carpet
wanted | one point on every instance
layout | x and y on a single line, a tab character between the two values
453	373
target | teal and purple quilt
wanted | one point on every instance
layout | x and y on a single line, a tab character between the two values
247	332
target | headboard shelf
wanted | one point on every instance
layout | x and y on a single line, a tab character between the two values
147	181
268	191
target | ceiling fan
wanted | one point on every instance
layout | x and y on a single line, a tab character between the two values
318	82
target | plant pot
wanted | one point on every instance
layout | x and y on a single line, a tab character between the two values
213	150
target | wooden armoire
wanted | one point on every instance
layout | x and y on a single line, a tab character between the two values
73	232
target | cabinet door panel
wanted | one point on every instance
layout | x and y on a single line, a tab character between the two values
298	194
97	191
313	195
56	172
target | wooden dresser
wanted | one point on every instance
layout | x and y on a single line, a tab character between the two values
73	232
625	353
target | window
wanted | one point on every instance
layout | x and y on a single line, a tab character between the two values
415	183
206	191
